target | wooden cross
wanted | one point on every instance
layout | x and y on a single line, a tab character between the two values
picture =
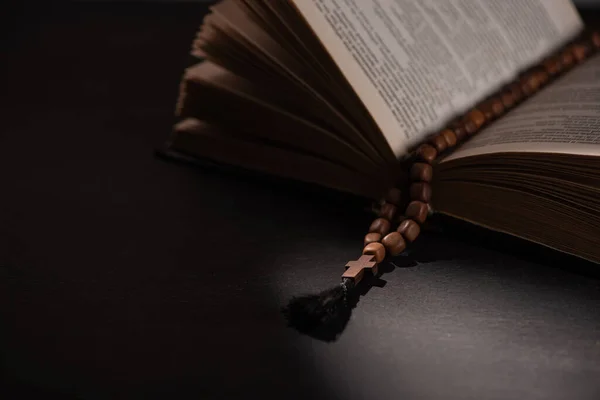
356	269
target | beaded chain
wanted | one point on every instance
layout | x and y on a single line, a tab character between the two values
380	241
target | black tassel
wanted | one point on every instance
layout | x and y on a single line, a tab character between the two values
325	315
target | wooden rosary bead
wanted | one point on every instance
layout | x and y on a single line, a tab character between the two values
552	66
421	172
596	39
580	52
375	249
533	81
470	127
417	210
427	153
409	229
486	109
515	91
476	117
507	100
439	143
394	243
372	237
567	59
388	211
542	77
492	109
420	191
449	137
394	196
459	130
497	107
525	88
381	226
529	84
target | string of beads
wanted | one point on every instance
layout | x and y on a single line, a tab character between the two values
381	241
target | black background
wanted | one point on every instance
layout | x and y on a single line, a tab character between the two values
125	276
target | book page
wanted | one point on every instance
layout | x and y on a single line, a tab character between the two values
417	63
564	117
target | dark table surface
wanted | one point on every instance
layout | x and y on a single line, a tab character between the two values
125	276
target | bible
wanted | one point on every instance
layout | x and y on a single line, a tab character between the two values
485	111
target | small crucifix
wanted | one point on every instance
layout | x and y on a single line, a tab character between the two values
356	269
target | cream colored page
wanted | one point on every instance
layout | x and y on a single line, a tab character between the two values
417	63
563	118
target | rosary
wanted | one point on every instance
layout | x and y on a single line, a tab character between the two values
331	308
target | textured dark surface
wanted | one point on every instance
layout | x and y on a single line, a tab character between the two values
124	276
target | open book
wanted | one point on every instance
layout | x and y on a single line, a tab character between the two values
339	93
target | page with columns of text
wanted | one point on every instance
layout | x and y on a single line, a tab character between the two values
417	63
564	117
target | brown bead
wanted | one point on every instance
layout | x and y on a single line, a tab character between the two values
596	39
439	143
497	107
421	172
492	109
394	196
375	249
525	88
529	84
372	237
388	211
459	130
420	191
552	66
567	59
507	100
417	210
542	77
470	127
580	52
409	229
449	137
476	117
394	243
486	109
426	153
515	91
534	81
381	226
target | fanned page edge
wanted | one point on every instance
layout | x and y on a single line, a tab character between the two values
410	153
195	138
354	75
